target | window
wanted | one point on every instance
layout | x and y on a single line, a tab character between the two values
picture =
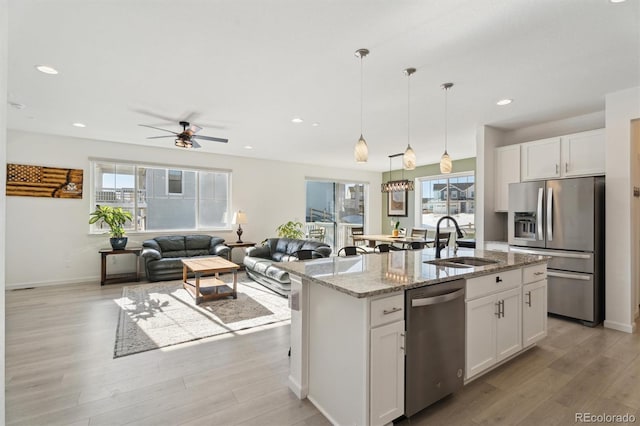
174	180
162	199
451	195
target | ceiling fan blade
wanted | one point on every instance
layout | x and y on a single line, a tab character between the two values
157	128
210	138
158	137
194	128
195	144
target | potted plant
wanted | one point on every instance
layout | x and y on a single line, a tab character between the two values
115	217
291	229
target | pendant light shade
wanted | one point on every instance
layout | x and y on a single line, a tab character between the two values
361	150
445	160
409	157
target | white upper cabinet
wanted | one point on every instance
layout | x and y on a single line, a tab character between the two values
578	154
540	159
583	153
507	170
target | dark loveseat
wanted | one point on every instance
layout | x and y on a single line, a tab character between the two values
261	262
163	255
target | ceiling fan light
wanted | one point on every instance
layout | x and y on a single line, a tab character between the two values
361	151
180	143
409	158
445	163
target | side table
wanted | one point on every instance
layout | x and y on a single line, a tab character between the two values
119	278
238	245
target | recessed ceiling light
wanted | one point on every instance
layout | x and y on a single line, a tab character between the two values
503	102
315	124
616	1
46	69
79	125
297	120
248	147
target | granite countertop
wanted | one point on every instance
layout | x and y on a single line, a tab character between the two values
379	273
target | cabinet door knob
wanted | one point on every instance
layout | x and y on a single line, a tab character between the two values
390	311
566	167
498	310
498	279
557	168
528	294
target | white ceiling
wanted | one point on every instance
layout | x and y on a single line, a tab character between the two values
244	69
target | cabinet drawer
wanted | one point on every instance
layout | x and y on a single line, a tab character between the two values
534	273
387	309
492	283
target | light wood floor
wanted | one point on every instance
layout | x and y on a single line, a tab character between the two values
60	371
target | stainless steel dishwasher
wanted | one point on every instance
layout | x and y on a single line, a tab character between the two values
434	364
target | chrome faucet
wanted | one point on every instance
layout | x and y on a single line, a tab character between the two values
437	241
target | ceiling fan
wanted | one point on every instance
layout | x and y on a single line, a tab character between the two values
186	138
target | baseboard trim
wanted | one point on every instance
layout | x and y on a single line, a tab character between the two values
84	280
298	390
322	410
614	325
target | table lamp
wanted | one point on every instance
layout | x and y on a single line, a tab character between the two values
239	218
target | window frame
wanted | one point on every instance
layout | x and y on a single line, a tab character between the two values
93	162
418	193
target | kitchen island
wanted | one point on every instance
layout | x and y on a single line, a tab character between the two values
348	323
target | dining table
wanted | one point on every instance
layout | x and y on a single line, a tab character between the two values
382	238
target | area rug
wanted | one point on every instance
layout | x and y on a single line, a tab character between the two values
156	315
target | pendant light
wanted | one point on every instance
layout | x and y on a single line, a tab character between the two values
409	157
361	150
445	161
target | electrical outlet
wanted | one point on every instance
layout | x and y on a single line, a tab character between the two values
636	191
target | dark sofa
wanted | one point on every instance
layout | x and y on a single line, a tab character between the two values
261	262
163	256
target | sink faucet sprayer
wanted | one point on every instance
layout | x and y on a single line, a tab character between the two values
437	241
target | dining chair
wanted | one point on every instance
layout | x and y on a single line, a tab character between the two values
316	234
306	254
416	245
357	231
351	251
419	232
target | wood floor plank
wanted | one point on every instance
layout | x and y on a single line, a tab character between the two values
60	371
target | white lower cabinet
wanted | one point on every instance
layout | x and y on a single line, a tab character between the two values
493	330
534	312
387	373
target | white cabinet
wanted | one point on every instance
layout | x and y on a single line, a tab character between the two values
534	304
386	357
507	170
540	159
493	330
387	373
583	154
578	154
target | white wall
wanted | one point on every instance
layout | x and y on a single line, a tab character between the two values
4	35
49	238
622	174
491	225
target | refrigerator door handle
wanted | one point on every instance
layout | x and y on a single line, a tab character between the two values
555	253
539	215
550	214
582	277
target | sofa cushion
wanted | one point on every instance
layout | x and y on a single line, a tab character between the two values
267	268
172	246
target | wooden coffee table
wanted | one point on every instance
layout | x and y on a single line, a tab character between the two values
205	289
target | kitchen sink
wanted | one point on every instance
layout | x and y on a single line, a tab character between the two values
461	262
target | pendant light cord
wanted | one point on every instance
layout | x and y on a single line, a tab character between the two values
361	94
408	109
446	114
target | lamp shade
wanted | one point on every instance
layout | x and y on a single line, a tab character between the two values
409	158
445	163
361	151
239	218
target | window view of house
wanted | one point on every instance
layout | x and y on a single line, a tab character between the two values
164	199
452	196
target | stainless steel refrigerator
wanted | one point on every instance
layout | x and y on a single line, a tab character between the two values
564	219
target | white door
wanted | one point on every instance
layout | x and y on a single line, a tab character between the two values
509	325
387	373
540	159
481	334
534	314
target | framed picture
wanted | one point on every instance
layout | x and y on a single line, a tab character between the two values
397	203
